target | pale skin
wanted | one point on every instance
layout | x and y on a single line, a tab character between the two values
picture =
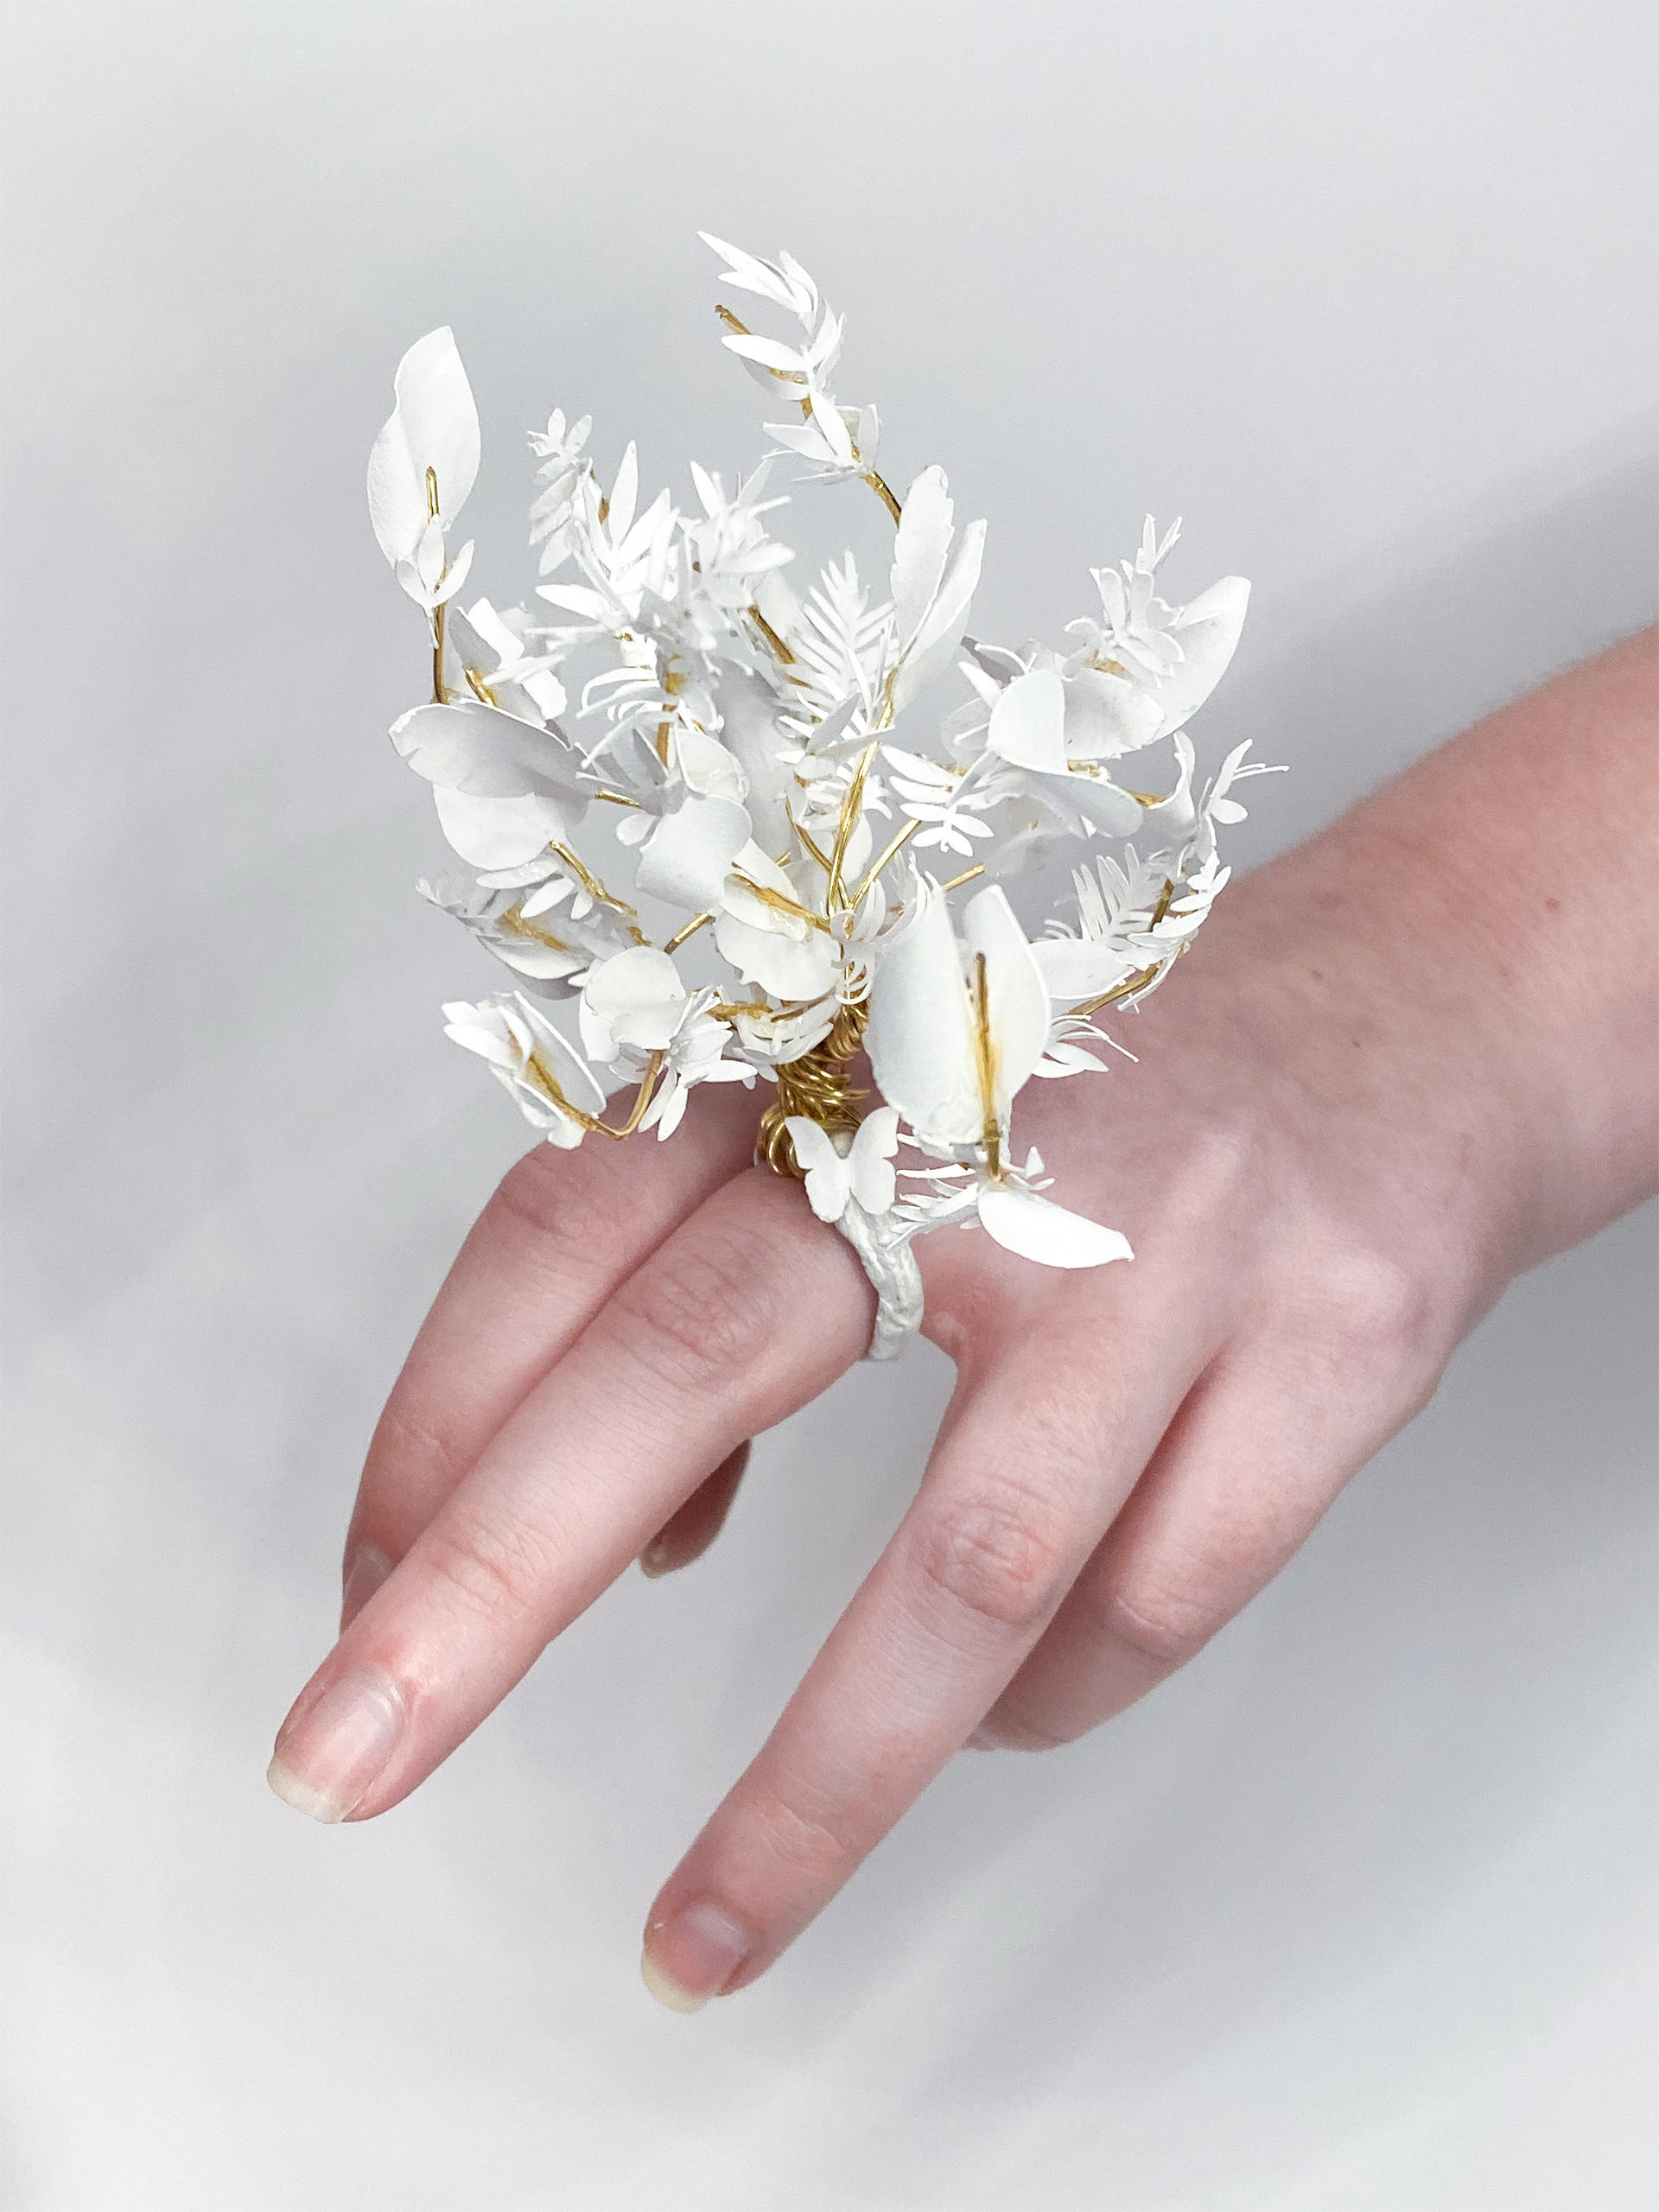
1401	1065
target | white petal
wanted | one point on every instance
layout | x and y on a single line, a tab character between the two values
492	833
566	1066
921	1036
472	747
749	727
1106	716
1078	968
827	1179
1208	631
1028	723
439	417
936	643
686	855
1017	997
396	496
1036	1230
919	551
1104	806
869	1163
801	969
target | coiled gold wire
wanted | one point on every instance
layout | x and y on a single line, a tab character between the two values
815	1085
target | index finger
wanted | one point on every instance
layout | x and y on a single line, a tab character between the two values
745	1313
560	1233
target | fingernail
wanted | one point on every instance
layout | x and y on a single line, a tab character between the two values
656	1558
366	1570
327	1761
706	1947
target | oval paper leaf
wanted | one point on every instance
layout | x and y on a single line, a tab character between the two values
921	1036
1028	723
1016	995
1020	1222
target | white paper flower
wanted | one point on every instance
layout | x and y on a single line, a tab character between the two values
422	466
526	1053
840	1169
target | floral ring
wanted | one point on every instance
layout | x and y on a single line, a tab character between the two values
682	713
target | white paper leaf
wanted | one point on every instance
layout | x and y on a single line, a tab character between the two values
919	551
686	855
936	643
434	425
800	969
1078	968
1036	1230
472	747
1027	725
921	1036
1208	632
1016	995
492	833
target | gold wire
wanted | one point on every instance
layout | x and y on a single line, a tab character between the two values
985	1066
895	847
884	493
438	696
771	637
816	1086
689	931
549	1087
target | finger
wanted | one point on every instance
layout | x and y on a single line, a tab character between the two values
748	1311
1032	1462
561	1233
1254	1457
686	1534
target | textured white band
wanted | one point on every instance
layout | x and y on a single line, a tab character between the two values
890	1266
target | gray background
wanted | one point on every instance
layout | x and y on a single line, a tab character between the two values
1354	1914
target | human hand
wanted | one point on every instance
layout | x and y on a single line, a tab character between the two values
1330	1157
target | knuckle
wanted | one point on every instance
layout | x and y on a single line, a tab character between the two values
700	1315
1220	1157
1000	1555
498	1571
797	1837
1000	1732
1160	1622
421	1454
562	1206
1376	1310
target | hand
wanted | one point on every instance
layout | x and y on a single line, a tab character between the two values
1329	1160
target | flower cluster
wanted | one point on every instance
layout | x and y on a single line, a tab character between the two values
715	816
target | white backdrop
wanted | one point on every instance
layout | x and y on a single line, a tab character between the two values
1356	1913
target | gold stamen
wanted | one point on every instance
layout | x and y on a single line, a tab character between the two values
967	876
514	924
985	1065
779	902
549	1086
596	891
438	695
771	637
